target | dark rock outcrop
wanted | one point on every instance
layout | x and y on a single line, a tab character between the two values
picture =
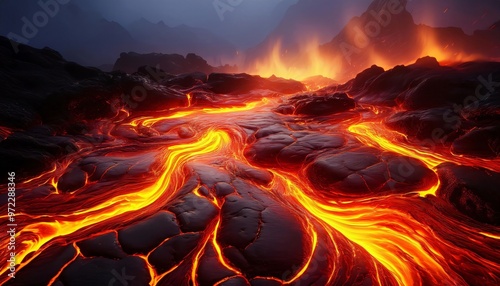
453	105
242	83
386	34
365	172
170	63
472	190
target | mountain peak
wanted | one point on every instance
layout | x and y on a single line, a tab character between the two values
161	23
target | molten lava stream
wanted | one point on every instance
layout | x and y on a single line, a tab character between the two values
377	135
413	238
36	235
149	121
413	252
38	232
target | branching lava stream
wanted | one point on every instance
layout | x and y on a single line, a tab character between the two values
400	236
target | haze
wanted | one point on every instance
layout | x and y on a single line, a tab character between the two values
95	32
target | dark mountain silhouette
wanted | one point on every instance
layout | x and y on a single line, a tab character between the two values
85	37
469	15
181	40
321	18
168	63
81	36
400	40
387	35
43	94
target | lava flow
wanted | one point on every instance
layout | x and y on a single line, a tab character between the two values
342	152
202	200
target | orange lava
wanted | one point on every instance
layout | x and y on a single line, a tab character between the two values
390	228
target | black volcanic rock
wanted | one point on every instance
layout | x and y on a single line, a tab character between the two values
173	63
242	83
105	245
144	236
264	282
235	281
227	83
256	234
365	172
45	266
32	151
473	191
41	87
278	145
72	180
188	80
428	124
376	86
266	150
211	270
482	142
173	251
364	78
103	271
323	105
43	95
453	105
440	90
167	63
193	213
428	62
80	72
306	146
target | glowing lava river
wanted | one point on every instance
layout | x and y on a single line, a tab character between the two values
241	194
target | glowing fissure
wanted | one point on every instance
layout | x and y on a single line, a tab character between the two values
176	156
382	226
367	227
150	121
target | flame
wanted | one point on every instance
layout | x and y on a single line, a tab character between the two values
308	61
445	54
280	63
